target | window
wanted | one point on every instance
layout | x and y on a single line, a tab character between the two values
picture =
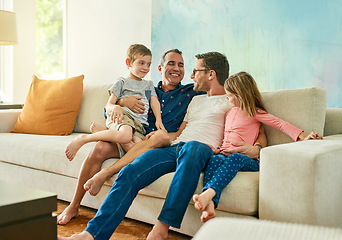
50	35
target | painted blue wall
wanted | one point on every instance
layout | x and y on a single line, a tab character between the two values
283	44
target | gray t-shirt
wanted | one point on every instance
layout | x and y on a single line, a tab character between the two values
126	87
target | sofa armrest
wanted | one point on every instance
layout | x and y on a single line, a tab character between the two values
8	118
301	182
333	123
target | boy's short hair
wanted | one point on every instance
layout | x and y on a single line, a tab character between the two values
218	62
136	49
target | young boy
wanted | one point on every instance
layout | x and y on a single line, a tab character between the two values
123	125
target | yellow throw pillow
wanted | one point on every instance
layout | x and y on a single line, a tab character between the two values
51	107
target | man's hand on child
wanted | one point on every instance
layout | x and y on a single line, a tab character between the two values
215	149
133	103
246	149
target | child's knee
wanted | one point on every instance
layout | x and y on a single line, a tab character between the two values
125	134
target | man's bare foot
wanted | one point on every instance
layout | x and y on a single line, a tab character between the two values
202	200
81	236
159	231
94	184
209	212
73	147
96	127
68	214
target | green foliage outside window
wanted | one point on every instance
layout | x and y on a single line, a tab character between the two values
49	38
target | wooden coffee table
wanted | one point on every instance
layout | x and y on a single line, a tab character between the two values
26	213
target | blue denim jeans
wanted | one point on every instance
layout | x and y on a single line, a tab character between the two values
220	170
187	160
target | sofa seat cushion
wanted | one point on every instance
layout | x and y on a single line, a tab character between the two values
240	196
333	137
42	152
246	229
46	152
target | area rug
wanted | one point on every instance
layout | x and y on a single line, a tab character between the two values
128	230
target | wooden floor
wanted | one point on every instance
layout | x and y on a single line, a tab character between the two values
128	230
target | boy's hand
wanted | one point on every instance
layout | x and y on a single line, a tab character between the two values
117	114
132	103
159	125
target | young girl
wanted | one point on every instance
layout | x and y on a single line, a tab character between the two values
242	124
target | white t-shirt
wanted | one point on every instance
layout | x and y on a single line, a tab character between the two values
205	120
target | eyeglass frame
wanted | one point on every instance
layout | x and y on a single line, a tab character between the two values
197	70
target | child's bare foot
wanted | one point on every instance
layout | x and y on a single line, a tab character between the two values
81	236
68	214
209	212
95	127
74	146
158	232
94	184
202	200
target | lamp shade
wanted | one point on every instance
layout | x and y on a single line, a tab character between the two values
8	28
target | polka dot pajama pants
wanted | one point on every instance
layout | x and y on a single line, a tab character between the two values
220	170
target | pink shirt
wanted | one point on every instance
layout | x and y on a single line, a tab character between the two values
240	128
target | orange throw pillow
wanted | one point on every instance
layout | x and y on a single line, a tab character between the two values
51	107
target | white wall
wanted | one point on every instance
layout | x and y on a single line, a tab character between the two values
98	35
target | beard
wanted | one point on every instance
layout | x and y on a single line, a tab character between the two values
201	87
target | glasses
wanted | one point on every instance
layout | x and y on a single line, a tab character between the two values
196	70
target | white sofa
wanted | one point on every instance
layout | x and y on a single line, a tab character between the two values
246	229
299	182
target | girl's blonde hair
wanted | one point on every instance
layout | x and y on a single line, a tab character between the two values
244	87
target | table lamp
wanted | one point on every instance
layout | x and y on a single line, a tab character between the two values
8	34
8	28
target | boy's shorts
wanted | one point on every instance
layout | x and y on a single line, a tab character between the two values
128	119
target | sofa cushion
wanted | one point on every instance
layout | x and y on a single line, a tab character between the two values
51	107
305	108
43	152
94	100
46	152
240	196
246	229
333	123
